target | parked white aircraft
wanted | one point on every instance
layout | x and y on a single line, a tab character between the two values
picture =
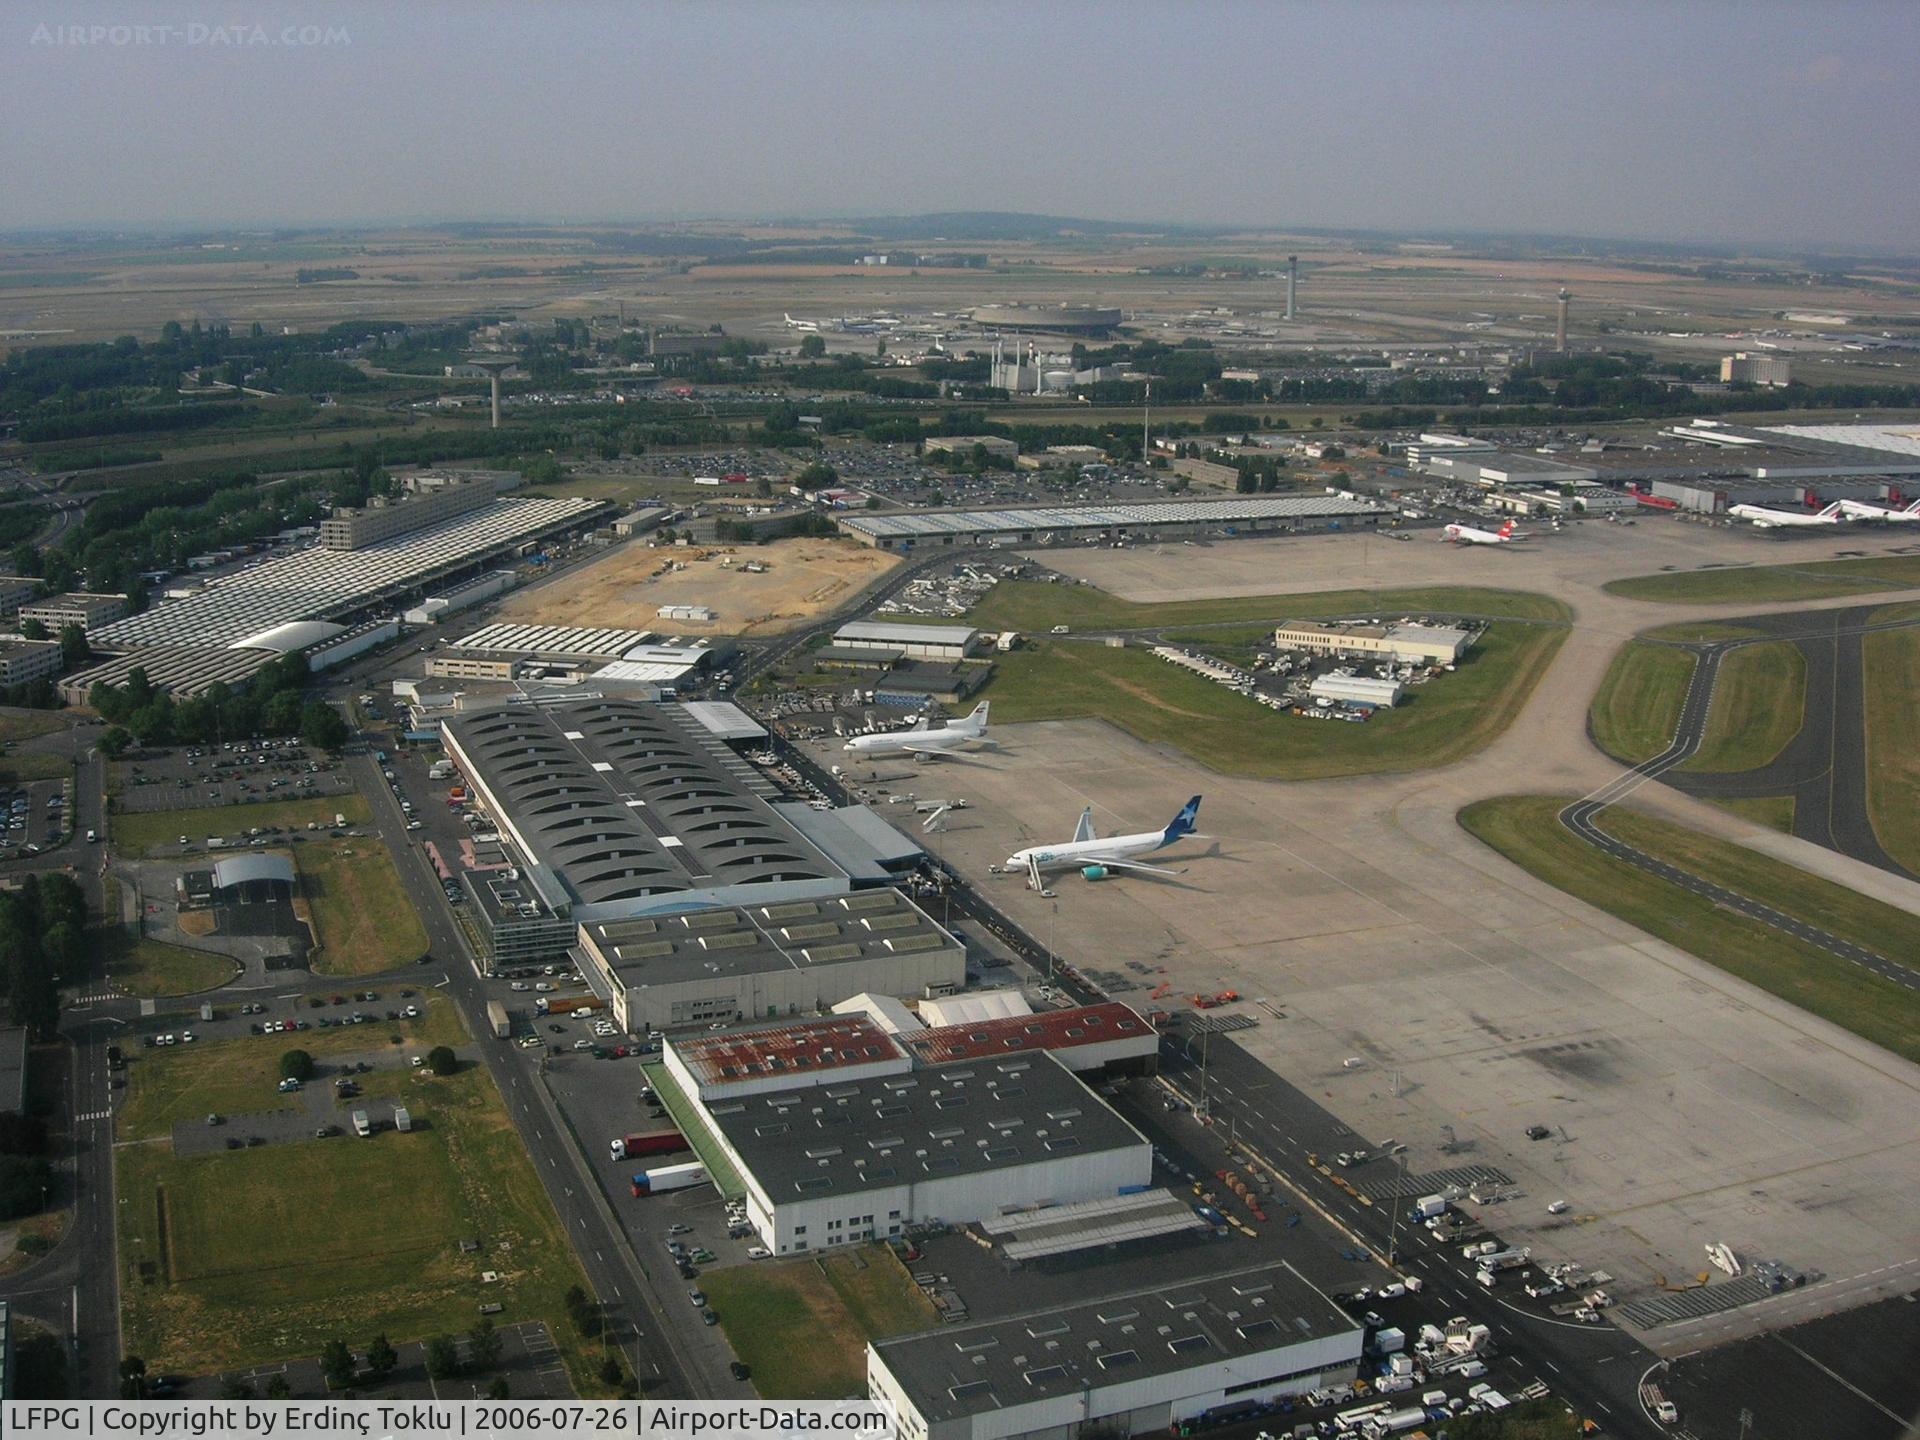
1768	519
1864	510
926	744
1097	856
793	324
1469	535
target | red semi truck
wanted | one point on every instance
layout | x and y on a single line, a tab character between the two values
653	1142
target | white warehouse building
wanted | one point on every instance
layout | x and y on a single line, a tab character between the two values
853	1160
917	642
1356	690
1126	1365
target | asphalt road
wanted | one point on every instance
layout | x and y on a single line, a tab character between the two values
1582	818
636	1310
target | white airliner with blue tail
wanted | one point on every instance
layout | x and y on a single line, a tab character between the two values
1096	856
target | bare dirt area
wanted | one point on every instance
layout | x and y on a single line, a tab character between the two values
802	579
1686	1106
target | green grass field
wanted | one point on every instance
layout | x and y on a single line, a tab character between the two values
364	922
1891	664
1525	829
1637	709
251	1256
1759	704
152	969
803	1325
1447	719
17	768
144	833
234	1077
25	724
1815	580
1035	606
1701	630
1773	811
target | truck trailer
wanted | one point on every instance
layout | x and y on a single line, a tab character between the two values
565	1004
497	1020
669	1177
653	1142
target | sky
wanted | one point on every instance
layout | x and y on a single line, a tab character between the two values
1742	122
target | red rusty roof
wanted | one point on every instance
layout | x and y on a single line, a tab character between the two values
804	1047
1048	1030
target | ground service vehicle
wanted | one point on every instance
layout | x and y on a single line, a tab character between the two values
669	1177
497	1020
652	1142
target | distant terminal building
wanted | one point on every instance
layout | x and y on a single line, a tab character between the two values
383	519
1144	1363
1498	470
1763	368
24	661
1111	524
1402	644
90	612
915	642
666	342
1054	319
1445	443
994	445
15	591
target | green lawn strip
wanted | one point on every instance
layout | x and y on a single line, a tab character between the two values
1637	710
1815	580
238	1076
1038	606
153	969
1701	631
365	922
252	1256
1525	829
1759	703
803	1325
18	769
140	834
25	724
1891	666
1447	719
1889	614
1773	811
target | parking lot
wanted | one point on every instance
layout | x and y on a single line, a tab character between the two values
243	772
35	816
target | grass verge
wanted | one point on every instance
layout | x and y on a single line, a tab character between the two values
1759	703
18	769
1526	830
143	833
803	1325
18	724
1637	709
1890	663
154	970
1773	811
1816	580
1037	605
248	1257
1445	720
357	905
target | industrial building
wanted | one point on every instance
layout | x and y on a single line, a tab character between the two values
621	659
765	961
993	445
611	809
1105	524
640	521
89	612
24	661
1108	1036
1129	1364
1769	371
917	642
1356	690
383	518
436	608
856	1160
1059	319
1404	643
1500	470
768	1058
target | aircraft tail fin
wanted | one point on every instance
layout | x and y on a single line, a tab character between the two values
1183	822
976	723
1506	531
1084	830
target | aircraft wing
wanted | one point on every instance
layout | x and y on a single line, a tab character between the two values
1134	865
1084	830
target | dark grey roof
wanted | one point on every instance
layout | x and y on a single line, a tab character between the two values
755	939
1239	1319
942	1121
13	1068
625	800
860	842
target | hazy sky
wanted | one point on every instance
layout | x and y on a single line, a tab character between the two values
1744	121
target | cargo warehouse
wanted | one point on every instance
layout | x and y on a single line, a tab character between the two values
1406	644
1096	524
1131	1364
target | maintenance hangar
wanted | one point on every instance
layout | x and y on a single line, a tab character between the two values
1105	524
843	1163
611	809
745	962
915	642
1131	1364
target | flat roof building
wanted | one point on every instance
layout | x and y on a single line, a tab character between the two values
77	607
1404	643
1087	1037
384	519
1130	1364
918	642
1743	367
1356	690
994	445
1084	524
15	591
24	661
833	1048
